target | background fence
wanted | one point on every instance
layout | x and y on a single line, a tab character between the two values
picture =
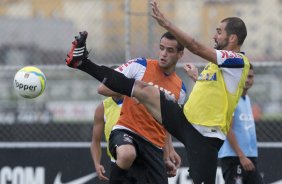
71	98
39	32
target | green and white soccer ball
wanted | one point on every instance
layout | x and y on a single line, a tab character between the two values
29	82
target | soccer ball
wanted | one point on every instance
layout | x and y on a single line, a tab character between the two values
29	82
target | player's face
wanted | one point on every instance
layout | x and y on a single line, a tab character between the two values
221	38
250	80
168	54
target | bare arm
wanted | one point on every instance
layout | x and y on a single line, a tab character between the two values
245	162
97	133
189	42
104	90
171	158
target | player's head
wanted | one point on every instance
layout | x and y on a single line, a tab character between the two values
170	51
250	79
230	33
170	36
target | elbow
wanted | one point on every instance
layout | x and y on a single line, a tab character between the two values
195	51
100	91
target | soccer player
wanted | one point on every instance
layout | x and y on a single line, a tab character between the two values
106	116
205	119
137	137
239	152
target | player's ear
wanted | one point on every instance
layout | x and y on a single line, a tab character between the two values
233	38
180	54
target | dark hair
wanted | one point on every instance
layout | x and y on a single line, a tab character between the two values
235	25
170	36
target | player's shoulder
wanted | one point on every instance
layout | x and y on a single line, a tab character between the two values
180	81
227	54
134	64
140	60
145	61
230	59
183	87
108	101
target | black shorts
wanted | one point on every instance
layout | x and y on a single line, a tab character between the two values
148	155
202	151
233	171
136	174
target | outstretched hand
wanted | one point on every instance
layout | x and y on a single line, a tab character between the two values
158	15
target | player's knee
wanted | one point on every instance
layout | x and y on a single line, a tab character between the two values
126	155
143	91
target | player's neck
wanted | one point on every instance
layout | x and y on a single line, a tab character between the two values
234	48
168	71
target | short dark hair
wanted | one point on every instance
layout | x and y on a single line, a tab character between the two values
170	36
235	25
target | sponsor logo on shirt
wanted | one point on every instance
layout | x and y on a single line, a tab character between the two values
207	77
167	92
229	54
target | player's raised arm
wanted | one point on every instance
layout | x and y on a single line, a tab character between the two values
185	39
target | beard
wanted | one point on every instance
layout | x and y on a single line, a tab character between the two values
222	45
